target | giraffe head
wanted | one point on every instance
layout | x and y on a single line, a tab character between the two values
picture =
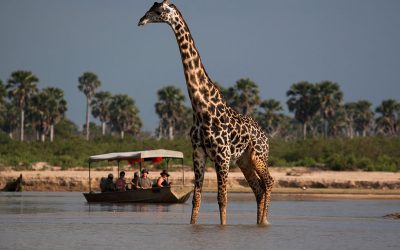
159	13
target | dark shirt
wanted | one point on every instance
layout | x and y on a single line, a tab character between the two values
135	182
107	185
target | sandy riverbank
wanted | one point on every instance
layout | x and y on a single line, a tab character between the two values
287	181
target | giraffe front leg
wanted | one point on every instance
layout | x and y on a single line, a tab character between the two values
222	177
199	162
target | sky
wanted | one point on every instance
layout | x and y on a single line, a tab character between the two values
276	43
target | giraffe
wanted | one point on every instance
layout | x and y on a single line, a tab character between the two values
218	133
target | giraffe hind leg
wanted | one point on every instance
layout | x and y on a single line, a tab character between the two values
261	167
256	184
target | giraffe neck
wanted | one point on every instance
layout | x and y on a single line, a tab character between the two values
202	91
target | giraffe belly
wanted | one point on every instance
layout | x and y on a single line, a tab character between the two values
214	146
220	144
237	152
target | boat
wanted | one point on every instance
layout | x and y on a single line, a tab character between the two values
173	194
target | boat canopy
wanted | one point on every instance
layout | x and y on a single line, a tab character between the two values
146	154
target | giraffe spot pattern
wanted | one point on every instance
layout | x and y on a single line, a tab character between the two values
218	132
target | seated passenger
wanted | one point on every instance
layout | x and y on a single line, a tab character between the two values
162	180
135	180
144	181
107	184
121	184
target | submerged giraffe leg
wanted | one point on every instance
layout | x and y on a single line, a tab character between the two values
199	162
260	164
222	169
269	183
256	184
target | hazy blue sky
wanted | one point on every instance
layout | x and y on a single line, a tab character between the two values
274	42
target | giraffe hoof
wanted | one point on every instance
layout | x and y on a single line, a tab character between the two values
263	223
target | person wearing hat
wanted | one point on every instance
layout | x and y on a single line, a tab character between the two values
144	181
162	180
121	183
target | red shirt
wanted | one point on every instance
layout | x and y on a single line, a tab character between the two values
121	184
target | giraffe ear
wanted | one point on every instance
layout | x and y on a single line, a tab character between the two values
167	1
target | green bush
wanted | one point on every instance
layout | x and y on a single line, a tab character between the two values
367	153
370	153
277	162
383	163
306	162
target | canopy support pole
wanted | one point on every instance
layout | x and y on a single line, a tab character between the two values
167	166
183	174
90	180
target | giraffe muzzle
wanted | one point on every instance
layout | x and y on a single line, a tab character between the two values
143	21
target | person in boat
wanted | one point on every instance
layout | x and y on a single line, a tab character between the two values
135	180
144	181
107	184
162	180
121	183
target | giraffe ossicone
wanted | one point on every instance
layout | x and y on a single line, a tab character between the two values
218	133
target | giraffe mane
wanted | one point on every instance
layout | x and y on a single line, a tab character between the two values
194	44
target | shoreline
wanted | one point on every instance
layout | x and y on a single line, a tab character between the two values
290	183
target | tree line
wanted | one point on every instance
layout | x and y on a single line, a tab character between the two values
318	110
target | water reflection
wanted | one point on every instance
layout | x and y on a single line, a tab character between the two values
129	207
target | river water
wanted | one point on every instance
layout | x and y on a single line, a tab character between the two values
42	220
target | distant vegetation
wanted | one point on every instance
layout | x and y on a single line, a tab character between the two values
369	153
323	131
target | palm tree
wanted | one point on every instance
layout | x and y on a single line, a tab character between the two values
170	107
330	98
387	121
338	122
349	117
3	94
56	107
243	96
269	118
184	122
38	115
124	114
304	102
363	116
21	87
101	108
10	118
88	83
47	109
8	112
